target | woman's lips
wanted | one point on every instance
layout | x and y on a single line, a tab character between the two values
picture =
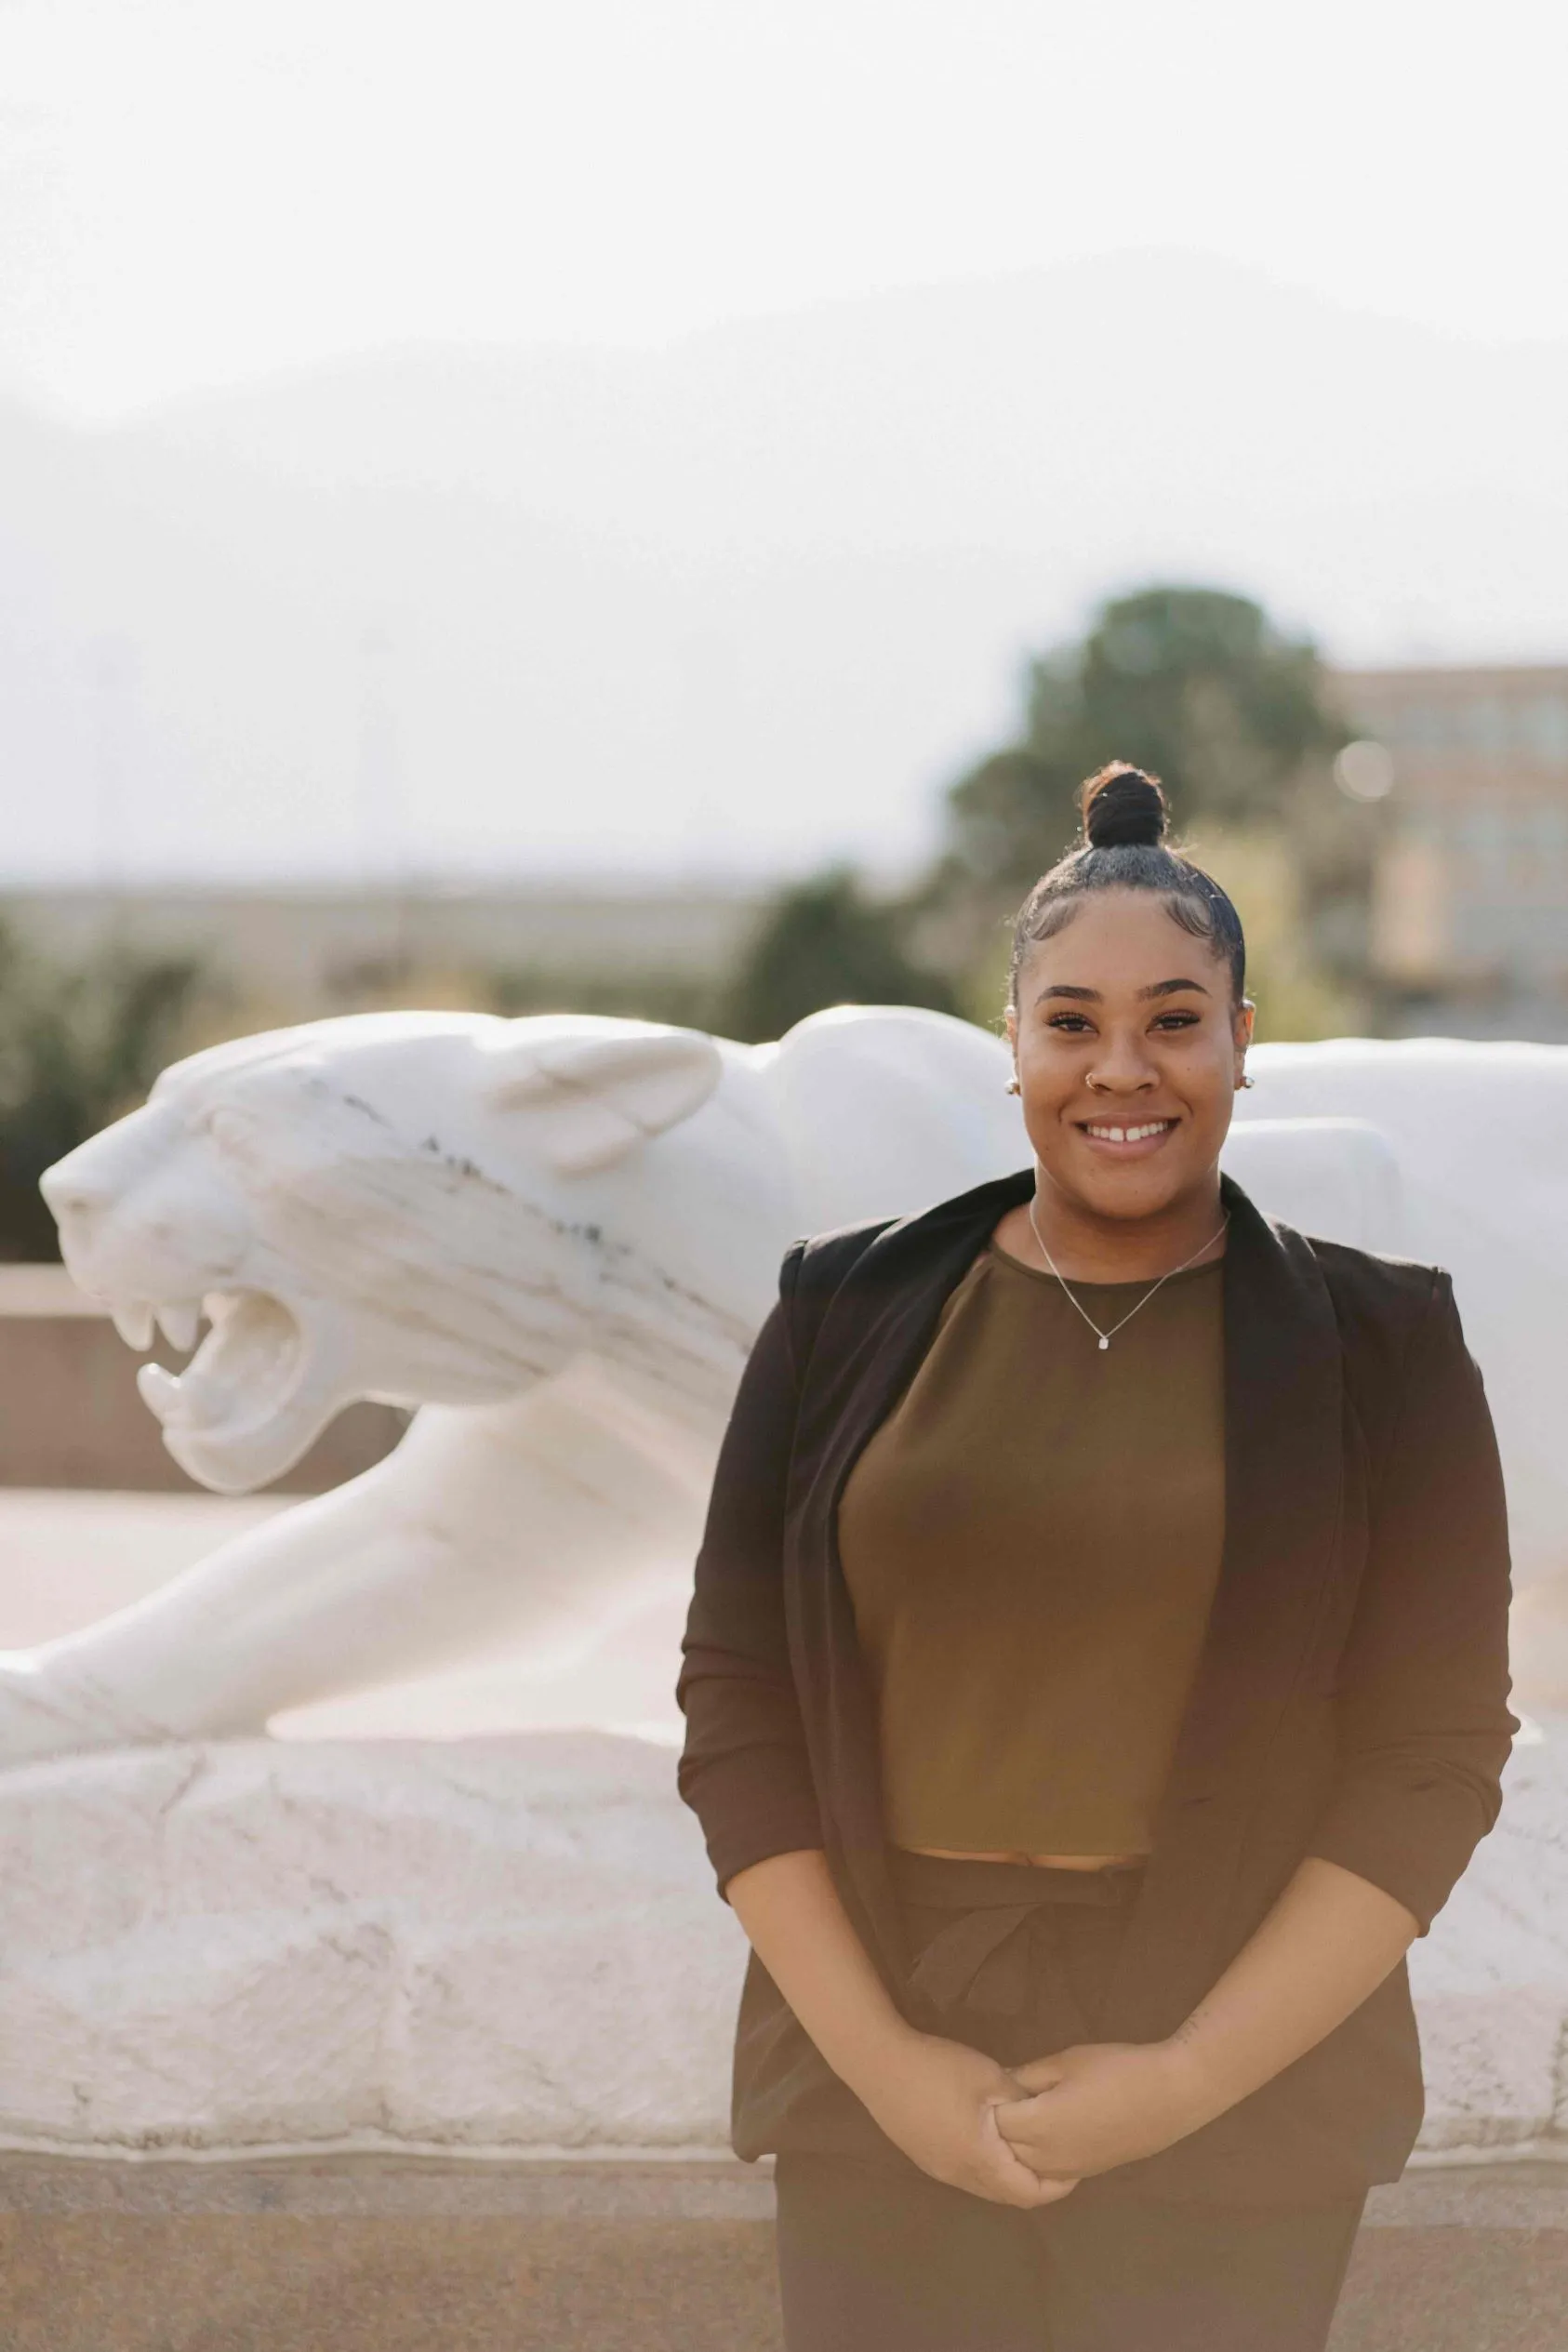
1128	1139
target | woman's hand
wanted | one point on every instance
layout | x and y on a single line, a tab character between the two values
1331	1938
1099	2104
935	2099
938	2101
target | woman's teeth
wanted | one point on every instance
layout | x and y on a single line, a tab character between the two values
1132	1134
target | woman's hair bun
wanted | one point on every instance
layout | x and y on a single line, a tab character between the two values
1121	804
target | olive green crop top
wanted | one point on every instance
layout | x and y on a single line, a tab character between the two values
1031	1541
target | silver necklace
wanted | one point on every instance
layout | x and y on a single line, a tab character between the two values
1105	1337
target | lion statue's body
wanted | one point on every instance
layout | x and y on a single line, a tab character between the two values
555	1238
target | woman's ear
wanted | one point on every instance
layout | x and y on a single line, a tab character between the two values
1014	1086
1240	1029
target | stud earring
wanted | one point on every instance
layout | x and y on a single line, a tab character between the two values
1245	1080
1012	1087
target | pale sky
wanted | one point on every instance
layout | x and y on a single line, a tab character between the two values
741	572
197	190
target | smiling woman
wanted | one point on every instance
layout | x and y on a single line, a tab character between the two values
1096	1677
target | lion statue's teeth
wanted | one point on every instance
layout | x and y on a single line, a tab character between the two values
179	1322
159	1392
132	1320
243	1373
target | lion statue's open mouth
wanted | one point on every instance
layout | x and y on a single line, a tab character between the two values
260	1385
241	1378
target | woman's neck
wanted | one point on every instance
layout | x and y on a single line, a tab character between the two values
1088	1248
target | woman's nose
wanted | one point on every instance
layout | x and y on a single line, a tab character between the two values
1121	1068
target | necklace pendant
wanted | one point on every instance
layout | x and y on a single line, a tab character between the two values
1104	1343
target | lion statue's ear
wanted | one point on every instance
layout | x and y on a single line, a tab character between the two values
594	1097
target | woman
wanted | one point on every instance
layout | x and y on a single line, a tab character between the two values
1096	1678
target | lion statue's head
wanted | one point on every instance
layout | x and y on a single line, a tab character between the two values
426	1207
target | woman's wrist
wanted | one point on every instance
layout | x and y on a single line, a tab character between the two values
875	2055
1189	2080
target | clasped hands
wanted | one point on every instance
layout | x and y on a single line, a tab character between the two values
1097	2105
1026	2135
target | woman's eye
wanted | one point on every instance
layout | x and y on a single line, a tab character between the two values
1079	1024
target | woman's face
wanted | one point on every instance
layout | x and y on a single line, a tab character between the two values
1128	1050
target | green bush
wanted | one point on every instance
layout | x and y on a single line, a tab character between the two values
824	942
77	1049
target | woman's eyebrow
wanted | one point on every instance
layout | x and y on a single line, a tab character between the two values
1093	996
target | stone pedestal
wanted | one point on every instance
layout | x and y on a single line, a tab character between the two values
480	1945
512	1946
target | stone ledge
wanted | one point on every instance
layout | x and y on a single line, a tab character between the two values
1520	2196
392	2188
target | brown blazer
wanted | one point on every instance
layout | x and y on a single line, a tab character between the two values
1350	1696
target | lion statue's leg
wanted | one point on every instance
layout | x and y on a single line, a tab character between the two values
539	1520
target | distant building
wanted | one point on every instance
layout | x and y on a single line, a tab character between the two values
1470	925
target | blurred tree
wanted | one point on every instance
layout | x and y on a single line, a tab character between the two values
824	942
1192	682
77	1049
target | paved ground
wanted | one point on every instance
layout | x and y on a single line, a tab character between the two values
368	2254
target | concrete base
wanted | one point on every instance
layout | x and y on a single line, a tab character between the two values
381	2255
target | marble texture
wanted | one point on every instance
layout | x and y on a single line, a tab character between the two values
512	1944
478	1944
1490	1981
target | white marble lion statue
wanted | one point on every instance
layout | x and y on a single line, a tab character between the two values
555	1238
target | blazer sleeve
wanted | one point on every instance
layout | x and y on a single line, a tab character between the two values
744	1769
1424	1725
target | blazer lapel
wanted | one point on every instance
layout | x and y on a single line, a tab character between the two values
1284	1485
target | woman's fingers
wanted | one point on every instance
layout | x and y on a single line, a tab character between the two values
1023	2183
1041	2074
1027	2132
939	2104
1053	2188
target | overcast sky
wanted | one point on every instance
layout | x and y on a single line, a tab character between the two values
742	571
195	191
